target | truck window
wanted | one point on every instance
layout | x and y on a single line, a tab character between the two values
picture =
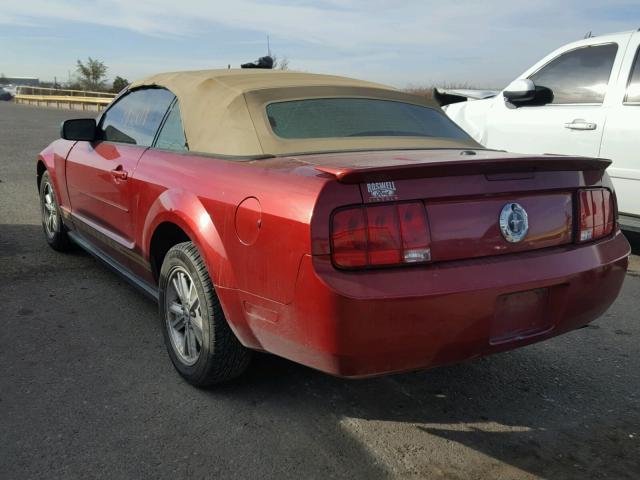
578	76
633	89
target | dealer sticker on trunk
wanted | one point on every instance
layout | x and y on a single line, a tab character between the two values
379	191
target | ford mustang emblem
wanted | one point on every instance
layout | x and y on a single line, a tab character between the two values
514	222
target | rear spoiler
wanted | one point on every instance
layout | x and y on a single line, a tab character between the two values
551	163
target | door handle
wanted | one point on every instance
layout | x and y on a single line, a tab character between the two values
119	173
580	124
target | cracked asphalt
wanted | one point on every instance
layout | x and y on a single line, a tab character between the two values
87	390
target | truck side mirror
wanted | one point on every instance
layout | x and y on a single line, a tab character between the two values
520	91
79	129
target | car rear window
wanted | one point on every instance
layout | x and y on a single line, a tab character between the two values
358	117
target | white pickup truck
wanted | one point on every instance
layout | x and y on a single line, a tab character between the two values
582	99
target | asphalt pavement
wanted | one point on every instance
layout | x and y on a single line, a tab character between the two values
88	391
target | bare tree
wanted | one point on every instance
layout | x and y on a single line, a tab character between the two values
280	63
92	74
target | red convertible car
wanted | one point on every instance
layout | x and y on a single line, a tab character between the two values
342	224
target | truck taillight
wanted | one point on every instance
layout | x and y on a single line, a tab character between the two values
597	214
378	235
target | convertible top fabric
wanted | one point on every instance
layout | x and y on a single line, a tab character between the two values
223	111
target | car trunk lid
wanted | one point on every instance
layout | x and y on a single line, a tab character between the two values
465	193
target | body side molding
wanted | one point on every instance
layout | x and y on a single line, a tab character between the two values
149	290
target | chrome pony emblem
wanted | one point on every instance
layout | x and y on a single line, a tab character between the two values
514	222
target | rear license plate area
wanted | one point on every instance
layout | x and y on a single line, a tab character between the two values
520	315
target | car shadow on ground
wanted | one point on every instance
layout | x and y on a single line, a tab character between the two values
525	408
87	389
562	409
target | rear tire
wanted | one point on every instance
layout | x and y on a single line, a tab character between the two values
200	342
54	230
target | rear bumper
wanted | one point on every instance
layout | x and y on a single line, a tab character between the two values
356	324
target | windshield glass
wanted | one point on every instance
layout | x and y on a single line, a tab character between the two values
358	117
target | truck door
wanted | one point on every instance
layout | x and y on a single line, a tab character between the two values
621	138
573	121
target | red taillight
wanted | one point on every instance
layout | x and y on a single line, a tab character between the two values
597	214
380	235
385	244
416	238
349	238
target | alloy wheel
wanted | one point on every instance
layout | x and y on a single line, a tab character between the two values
49	210
183	316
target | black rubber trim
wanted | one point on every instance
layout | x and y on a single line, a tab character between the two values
144	287
630	223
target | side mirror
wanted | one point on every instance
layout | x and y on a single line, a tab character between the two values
79	129
520	91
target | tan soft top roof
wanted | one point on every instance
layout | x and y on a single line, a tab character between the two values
223	111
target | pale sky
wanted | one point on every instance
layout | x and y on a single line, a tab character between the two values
403	43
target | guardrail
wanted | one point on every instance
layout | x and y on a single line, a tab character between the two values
60	98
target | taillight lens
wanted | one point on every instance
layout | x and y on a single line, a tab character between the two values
597	214
416	238
380	235
349	238
384	242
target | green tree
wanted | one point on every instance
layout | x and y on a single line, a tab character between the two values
119	84
92	74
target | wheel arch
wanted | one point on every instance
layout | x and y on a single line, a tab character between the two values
53	160
165	236
178	216
46	163
181	216
40	169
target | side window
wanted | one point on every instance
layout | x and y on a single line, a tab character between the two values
135	118
578	76
171	136
633	90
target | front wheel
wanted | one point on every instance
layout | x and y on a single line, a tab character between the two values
54	229
200	343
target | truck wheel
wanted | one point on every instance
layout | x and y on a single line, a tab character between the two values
201	344
54	230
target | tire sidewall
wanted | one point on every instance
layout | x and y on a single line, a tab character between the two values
53	238
173	259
